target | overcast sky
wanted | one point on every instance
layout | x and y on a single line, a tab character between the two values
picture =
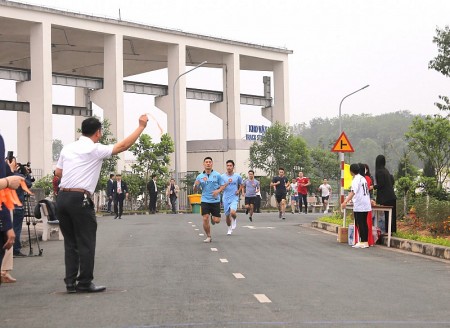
339	46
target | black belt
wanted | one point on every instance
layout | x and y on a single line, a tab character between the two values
84	191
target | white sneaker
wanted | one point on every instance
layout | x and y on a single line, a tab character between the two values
233	223
230	230
207	240
325	211
357	245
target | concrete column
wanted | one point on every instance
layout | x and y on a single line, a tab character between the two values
110	98
80	100
35	140
281	92
229	109
176	66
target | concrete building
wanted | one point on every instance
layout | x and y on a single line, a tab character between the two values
41	47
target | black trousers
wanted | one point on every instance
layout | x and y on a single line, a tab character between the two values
173	202
78	225
392	203
152	204
118	204
361	223
302	198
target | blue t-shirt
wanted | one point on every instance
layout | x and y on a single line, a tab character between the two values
209	183
250	187
233	183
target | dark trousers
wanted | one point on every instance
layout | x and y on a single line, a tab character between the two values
18	216
118	204
301	200
257	204
152	204
361	224
110	200
392	203
78	225
173	202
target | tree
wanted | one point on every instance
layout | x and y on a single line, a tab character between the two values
325	164
57	146
279	148
429	138
152	158
442	61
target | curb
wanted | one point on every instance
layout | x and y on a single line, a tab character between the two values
438	251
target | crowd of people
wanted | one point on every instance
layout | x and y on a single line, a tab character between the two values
78	170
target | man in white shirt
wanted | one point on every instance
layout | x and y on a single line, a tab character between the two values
79	168
325	190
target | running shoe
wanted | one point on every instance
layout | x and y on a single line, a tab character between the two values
207	240
246	211
279	214
250	218
233	223
230	230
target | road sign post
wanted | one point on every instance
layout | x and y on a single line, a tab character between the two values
342	146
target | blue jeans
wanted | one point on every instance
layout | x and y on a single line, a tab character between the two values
18	216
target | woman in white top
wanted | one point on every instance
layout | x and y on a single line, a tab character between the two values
361	204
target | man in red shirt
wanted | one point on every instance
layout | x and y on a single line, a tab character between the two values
302	188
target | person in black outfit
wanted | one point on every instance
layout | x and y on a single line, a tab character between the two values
109	191
153	192
281	184
120	193
384	185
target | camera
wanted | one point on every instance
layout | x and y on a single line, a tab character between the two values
10	156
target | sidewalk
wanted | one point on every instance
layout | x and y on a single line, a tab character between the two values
438	251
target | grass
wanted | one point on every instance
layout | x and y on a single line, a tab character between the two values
424	239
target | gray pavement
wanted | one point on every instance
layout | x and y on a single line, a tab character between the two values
159	273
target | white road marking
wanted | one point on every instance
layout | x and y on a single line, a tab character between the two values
254	228
194	225
201	234
213	249
196	229
224	260
238	275
262	298
190	222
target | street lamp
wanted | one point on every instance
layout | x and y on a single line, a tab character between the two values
177	146
341	154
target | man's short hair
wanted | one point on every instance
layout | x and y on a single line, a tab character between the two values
118	175
207	157
281	168
230	161
111	175
251	171
90	125
153	175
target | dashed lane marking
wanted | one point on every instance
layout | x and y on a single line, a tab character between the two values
201	234
213	249
224	260
262	298
238	275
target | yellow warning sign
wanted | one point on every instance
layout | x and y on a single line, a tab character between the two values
343	145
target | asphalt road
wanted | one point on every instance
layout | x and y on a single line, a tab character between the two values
269	273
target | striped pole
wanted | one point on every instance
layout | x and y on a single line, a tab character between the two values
341	157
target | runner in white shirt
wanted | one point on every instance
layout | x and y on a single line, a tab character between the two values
325	190
294	195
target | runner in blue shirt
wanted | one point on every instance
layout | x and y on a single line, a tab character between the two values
251	186
212	185
233	186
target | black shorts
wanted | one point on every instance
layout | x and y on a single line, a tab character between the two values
211	208
325	198
280	196
250	200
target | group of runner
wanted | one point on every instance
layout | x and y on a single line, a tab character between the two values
232	185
